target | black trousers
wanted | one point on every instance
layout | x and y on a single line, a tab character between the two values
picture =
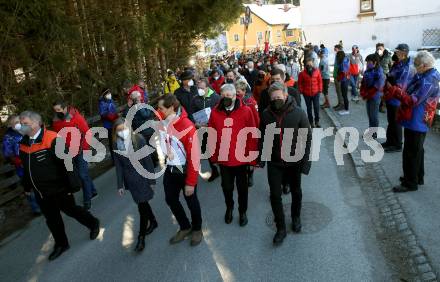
413	158
394	129
239	175
174	184
344	91
312	104
204	145
325	85
51	207
146	215
275	175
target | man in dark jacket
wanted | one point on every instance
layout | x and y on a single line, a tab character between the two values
284	114
251	74
47	176
186	93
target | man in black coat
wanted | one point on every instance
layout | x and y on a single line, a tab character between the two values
251	74
284	114
46	174
186	93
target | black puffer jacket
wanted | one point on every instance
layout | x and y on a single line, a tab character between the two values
289	117
185	98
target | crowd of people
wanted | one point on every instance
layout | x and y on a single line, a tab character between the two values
254	90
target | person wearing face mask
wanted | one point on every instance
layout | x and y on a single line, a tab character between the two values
231	113
251	74
206	98
179	142
140	187
108	112
216	80
286	115
372	86
186	93
52	183
310	86
11	153
342	78
67	116
292	68
386	63
325	73
260	85
356	68
400	75
417	110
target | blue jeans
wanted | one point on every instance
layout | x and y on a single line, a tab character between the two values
353	84
373	112
312	104
33	202
83	170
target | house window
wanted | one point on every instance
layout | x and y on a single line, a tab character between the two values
367	6
278	33
236	37
259	35
242	19
289	32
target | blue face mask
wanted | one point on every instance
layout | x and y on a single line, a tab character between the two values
25	129
370	65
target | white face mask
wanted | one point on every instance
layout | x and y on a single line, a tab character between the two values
201	92
291	62
191	83
380	52
17	127
108	96
216	77
124	134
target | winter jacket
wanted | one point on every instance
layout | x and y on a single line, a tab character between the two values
385	61
289	117
259	87
324	68
421	91
241	117
250	102
73	119
310	85
185	149
372	84
185	98
401	74
11	149
127	176
44	172
140	117
171	85
293	70
356	64
108	112
343	70
217	84
251	77
290	82
202	102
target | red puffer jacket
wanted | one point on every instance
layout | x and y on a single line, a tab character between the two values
74	119
217	84
310	85
240	146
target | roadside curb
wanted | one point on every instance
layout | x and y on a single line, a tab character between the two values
355	156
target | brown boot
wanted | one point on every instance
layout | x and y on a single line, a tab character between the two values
180	236
196	238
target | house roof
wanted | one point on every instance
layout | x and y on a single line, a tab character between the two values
276	14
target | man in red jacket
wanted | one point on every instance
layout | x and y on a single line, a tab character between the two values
67	116
216	80
233	149
310	85
178	139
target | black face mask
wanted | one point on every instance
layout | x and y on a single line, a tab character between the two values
227	102
309	70
229	80
60	115
277	104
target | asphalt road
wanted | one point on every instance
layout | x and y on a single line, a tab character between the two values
338	242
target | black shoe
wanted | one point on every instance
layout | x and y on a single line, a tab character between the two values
228	216
87	206
286	189
94	195
57	251
279	237
153	225
140	245
94	232
317	125
36	214
250	180
384	145
403	189
296	224
243	219
420	182
393	149
214	175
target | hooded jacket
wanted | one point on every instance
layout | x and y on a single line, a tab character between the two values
73	119
372	84
236	120
171	85
289	117
108	112
310	85
179	138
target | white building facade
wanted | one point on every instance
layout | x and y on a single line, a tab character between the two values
367	22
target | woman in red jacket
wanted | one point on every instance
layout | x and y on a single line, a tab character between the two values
310	85
216	80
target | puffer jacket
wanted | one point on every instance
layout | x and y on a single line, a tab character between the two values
108	112
171	85
310	85
372	84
